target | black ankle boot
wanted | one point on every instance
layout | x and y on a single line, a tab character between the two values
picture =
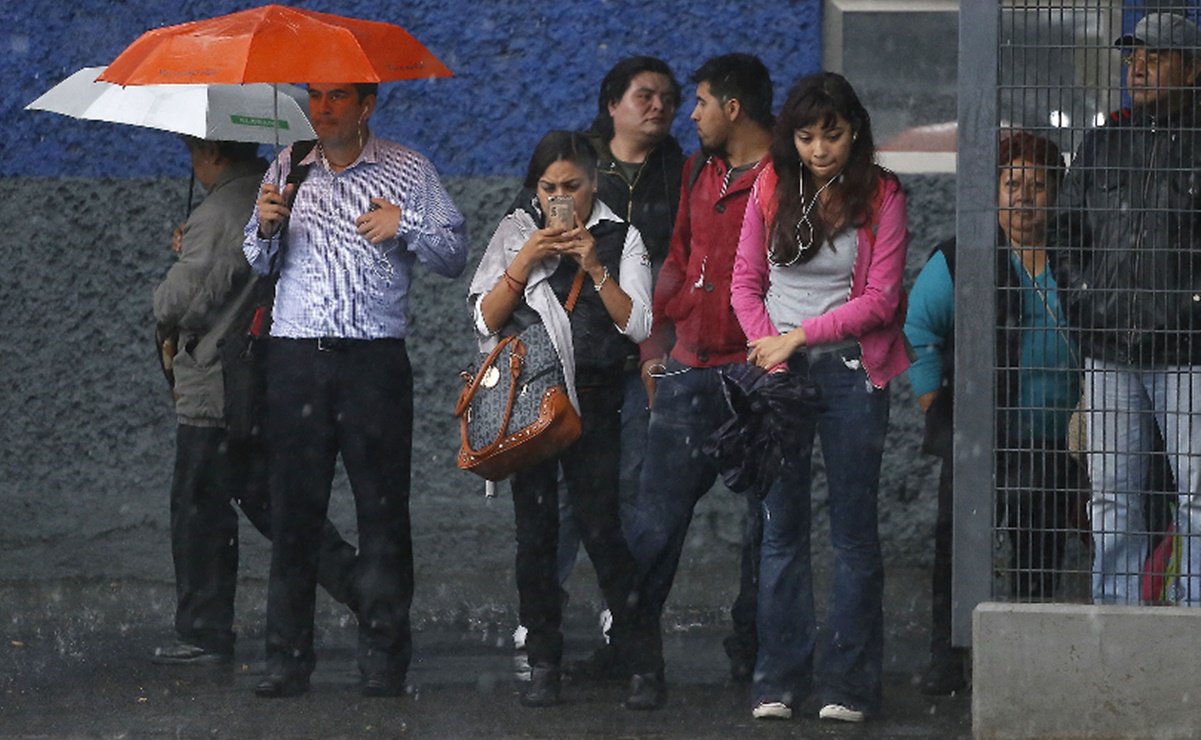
543	690
647	691
946	674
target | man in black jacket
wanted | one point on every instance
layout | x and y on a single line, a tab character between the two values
639	165
1127	253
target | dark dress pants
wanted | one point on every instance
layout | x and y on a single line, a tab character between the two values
1038	484
591	469
210	474
353	398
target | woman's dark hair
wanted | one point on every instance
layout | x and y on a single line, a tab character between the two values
1022	145
557	146
617	82
820	99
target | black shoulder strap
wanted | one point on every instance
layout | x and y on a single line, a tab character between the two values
298	172
695	165
296	175
948	252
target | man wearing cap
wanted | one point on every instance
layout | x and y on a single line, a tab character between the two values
344	243
1126	246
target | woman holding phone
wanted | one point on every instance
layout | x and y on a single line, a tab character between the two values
817	290
525	276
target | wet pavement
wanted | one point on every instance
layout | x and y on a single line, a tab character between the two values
74	664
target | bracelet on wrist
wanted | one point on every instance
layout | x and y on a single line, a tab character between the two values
597	287
515	285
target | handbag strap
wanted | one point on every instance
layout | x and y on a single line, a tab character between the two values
516	360
574	295
469	393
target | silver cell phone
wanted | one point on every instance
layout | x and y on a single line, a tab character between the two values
560	212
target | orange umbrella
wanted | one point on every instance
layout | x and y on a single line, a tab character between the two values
274	43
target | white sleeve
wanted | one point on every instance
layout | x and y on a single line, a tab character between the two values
636	282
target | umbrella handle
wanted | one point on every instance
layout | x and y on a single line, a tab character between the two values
275	124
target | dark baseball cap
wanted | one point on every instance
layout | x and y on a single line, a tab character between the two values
1164	31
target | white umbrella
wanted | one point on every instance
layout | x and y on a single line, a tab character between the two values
246	113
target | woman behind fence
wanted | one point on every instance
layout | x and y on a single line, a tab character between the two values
817	289
525	277
1037	386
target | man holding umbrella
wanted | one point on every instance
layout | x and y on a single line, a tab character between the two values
343	239
207	296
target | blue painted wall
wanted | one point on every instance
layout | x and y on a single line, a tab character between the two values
521	68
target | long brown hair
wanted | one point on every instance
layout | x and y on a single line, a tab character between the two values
819	99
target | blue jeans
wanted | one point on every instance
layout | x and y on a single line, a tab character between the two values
689	406
1124	405
851	424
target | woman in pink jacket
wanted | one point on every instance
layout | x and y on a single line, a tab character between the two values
817	290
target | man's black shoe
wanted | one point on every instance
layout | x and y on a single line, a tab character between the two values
602	665
543	690
742	659
381	685
647	691
279	686
944	677
184	654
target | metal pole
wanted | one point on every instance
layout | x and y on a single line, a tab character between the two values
975	314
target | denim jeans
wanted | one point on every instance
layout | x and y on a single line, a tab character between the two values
676	473
689	406
851	424
1125	404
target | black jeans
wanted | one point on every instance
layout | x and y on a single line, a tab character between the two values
356	399
210	474
591	468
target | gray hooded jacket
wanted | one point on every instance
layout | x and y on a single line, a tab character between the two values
209	293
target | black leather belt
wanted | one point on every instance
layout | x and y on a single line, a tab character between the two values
341	344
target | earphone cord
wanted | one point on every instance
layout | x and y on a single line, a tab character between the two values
802	248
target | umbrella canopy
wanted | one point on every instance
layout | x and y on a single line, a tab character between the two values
769	411
215	112
274	43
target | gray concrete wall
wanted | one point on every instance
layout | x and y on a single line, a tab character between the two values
1060	671
87	426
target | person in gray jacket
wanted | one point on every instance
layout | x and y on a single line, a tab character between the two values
209	294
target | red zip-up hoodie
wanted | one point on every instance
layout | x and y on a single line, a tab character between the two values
693	319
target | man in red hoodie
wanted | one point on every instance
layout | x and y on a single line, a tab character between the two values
695	331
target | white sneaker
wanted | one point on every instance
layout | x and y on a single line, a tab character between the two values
606	624
840	713
772	710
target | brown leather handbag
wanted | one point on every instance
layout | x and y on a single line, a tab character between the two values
514	410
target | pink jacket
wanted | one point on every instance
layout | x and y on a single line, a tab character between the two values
874	314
